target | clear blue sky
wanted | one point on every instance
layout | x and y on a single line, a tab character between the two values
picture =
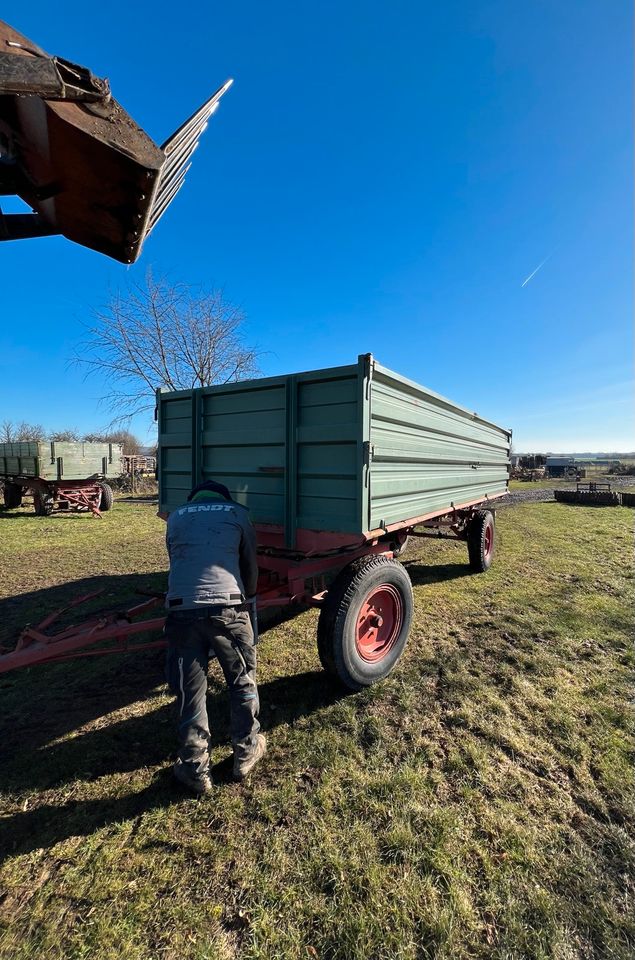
382	177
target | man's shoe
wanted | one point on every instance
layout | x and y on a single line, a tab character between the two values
246	759
196	782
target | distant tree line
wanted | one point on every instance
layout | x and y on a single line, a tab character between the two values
16	432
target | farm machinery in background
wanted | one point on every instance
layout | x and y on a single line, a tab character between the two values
528	467
72	153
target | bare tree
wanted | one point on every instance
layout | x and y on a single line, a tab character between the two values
161	334
69	434
11	432
131	443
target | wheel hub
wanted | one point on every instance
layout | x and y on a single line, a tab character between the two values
379	622
488	541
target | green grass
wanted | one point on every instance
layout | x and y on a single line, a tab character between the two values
543	484
476	804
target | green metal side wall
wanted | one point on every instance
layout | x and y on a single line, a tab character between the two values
60	460
289	448
345	450
427	453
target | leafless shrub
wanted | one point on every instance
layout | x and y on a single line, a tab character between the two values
131	443
11	432
161	334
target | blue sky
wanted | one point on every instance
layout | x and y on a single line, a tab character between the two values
382	177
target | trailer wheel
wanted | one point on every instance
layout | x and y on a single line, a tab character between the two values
107	497
365	621
12	495
480	540
43	504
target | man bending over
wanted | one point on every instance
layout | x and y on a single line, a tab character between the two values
213	576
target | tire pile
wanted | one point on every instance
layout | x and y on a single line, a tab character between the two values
596	498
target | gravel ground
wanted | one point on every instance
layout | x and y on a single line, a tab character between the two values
531	495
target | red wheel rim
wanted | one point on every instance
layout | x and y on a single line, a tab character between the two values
379	623
488	540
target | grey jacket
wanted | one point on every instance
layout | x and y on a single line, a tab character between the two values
212	550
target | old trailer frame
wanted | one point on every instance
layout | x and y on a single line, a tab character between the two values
78	496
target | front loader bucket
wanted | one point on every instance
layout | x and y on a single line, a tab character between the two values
74	155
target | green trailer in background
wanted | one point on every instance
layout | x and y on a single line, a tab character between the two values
338	467
61	475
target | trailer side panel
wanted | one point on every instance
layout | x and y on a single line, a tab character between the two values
427	453
60	460
288	448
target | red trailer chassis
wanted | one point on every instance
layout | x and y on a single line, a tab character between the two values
90	495
303	577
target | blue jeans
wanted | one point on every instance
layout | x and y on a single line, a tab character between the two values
193	635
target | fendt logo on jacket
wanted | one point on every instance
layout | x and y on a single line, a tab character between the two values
206	507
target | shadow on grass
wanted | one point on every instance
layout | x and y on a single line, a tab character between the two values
55	515
121	590
126	746
421	573
44	704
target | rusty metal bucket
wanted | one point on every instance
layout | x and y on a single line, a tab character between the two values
74	155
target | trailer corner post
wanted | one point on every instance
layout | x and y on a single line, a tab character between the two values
365	363
291	463
197	437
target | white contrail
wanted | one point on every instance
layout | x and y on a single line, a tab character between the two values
540	265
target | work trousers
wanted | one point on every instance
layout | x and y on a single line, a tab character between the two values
193	637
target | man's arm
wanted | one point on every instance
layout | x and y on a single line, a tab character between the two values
248	559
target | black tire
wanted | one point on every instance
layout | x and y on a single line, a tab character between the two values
481	538
566	496
107	497
43	504
12	495
601	498
339	646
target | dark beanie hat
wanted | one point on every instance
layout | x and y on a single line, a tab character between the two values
213	487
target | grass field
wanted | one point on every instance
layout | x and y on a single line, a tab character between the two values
476	804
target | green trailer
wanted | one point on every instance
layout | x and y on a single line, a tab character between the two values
61	475
338	467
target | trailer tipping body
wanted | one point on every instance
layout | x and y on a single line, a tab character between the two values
352	452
